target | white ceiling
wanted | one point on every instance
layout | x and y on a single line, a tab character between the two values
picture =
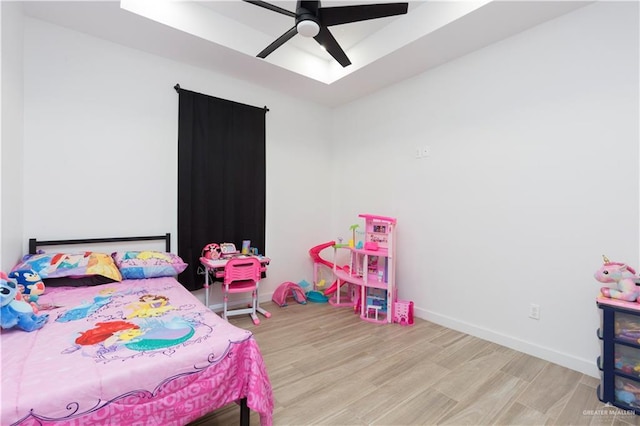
225	36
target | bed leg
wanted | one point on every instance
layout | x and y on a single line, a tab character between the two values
244	412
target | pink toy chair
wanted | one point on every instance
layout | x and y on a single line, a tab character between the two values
242	276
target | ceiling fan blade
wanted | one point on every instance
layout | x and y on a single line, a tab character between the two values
325	38
279	42
272	7
338	15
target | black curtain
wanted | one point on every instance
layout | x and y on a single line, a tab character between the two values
221	177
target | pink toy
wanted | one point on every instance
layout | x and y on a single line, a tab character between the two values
371	245
287	289
333	289
623	276
211	251
403	312
314	252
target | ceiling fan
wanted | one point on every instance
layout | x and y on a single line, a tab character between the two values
311	20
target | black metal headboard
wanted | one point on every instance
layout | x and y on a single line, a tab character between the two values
34	244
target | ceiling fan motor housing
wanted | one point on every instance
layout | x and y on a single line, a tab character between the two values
307	22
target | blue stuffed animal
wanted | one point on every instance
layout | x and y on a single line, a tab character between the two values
30	284
15	312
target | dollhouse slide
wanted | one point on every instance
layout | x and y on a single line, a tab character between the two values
314	252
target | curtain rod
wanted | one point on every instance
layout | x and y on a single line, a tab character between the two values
178	88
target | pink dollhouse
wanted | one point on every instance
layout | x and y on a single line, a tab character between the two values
372	270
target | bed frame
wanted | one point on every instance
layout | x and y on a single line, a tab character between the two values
34	244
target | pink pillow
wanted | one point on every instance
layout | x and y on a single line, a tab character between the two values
148	264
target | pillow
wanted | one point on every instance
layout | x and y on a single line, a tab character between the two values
148	264
76	265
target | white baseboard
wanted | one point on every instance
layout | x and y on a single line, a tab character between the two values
581	365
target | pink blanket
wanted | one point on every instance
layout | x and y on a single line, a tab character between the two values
139	352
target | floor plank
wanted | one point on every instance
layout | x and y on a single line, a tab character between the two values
327	367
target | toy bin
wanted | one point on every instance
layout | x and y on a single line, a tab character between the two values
627	393
627	360
627	327
403	312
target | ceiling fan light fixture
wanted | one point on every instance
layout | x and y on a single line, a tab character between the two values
312	20
308	28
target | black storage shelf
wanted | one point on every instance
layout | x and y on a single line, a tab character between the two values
617	387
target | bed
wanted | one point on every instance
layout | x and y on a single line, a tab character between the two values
141	351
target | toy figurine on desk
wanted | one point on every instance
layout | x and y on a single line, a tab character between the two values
623	276
211	251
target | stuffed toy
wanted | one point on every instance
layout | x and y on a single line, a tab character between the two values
623	276
16	312
30	284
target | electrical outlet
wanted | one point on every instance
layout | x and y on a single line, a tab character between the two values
534	311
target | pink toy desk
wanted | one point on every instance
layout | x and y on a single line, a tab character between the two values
215	267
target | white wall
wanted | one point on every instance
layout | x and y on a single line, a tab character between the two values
101	144
11	120
533	175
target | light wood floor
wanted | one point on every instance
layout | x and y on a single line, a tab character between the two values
327	367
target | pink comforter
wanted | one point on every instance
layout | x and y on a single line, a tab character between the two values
139	352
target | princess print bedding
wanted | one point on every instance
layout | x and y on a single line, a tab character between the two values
135	352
